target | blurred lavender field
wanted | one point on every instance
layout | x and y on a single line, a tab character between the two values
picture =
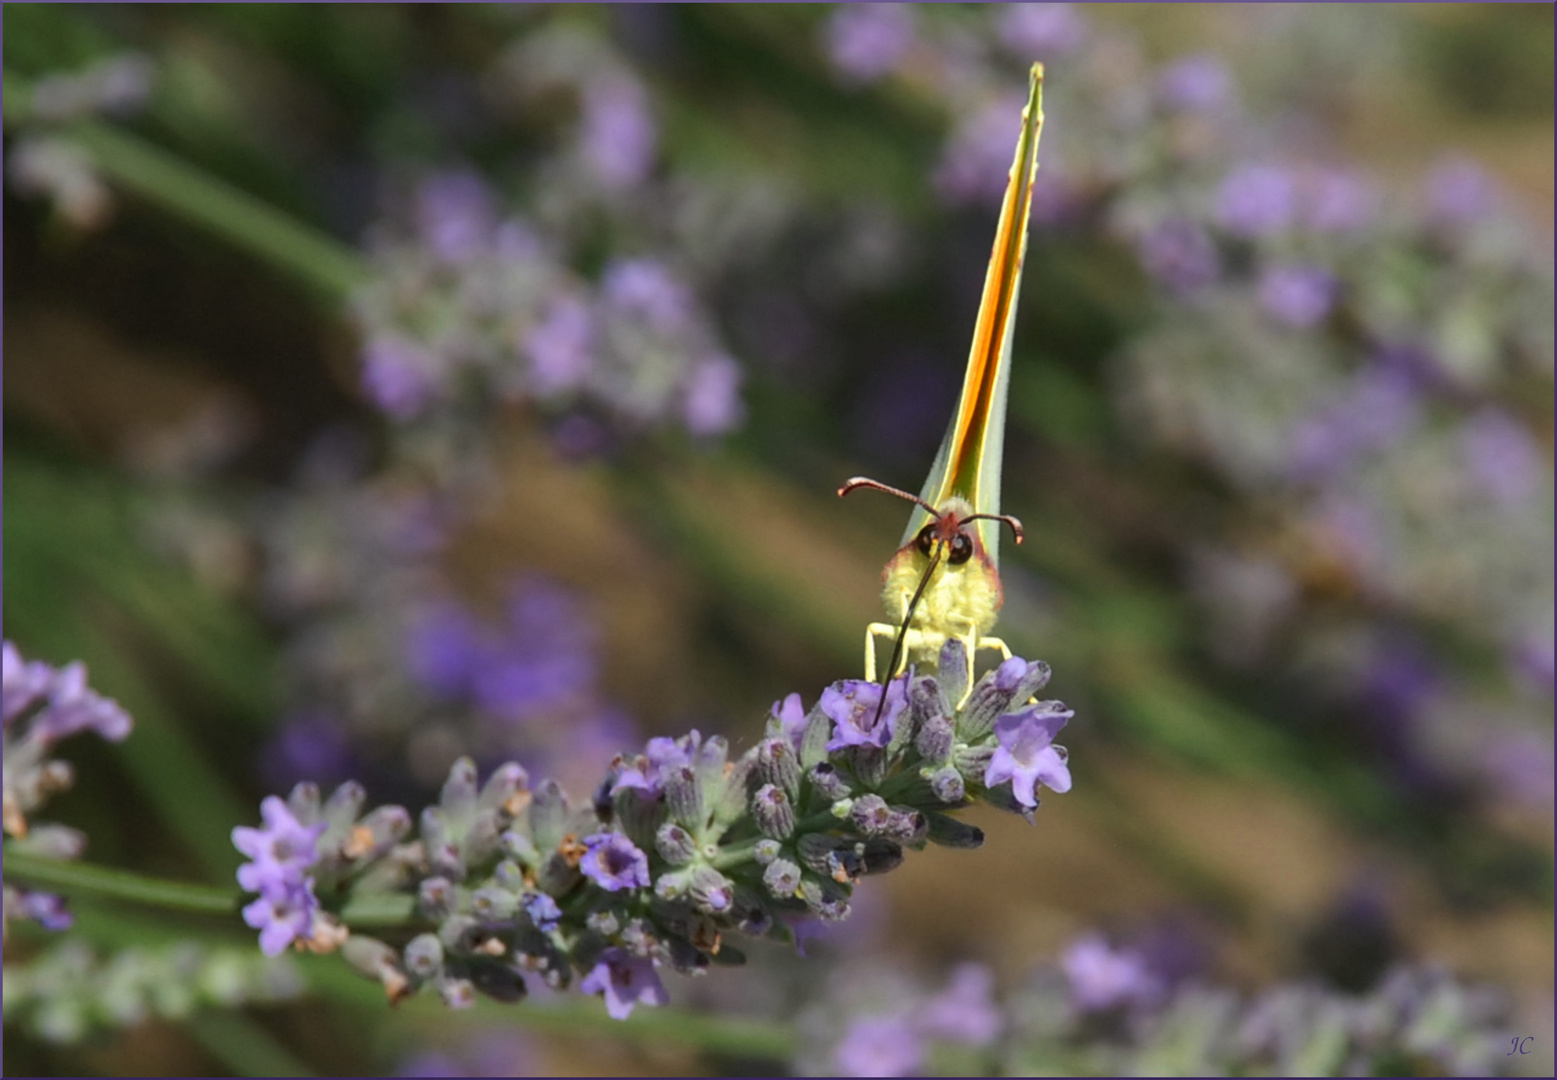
391	384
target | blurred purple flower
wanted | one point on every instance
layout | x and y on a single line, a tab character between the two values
1399	682
559	346
46	909
977	158
283	916
455	215
444	648
879	1046
1256	200
1521	764
1379	407
1103	978
281	850
625	980
1179	254
618	137
1504	457
542	911
1299	296
1337	200
1532	657
645	288
1195	83
73	706
791	715
1038	31
866	41
614	862
397	376
22	683
713	402
662	755
965	1011
1026	755
1458	191
852	707
309	745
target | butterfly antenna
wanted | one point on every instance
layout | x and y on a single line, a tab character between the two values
902	635
876	485
1016	526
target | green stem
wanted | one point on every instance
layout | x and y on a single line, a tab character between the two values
238	217
78	877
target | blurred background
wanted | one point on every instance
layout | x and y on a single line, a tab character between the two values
389	383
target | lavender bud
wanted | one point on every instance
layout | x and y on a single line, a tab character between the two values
777	764
507	789
345	804
424	956
382	829
813	742
458	797
371	957
445	859
1026	682
765	851
509	875
870	764
436	898
972	760
711	891
879	856
684	797
520	847
731	805
640	813
934	741
985	705
675	844
460	934
482	838
304	802
907	826
828	784
947	785
953	670
494	905
772	812
949	832
782	879
604	923
500	982
457	993
52	841
435	830
674	885
871	814
709	762
826	898
548	815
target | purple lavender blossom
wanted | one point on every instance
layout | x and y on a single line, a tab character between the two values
444	648
311	744
977	157
74	706
281	850
1178	253
614	862
1025	755
713	402
542	911
283	915
1521	765
1533	659
625	980
662	755
24	682
645	288
866	41
1038	31
455	215
791	715
559	347
1379	407
1337	201
1256	200
618	136
965	1011
852	707
1299	296
1102	978
1195	84
1458	191
879	1046
1502	456
398	376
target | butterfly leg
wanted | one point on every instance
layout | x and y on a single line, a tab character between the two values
872	631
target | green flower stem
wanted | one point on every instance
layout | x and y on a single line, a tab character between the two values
84	878
168	181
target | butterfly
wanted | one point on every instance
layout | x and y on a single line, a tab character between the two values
944	581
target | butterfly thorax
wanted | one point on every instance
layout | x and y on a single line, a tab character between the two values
962	595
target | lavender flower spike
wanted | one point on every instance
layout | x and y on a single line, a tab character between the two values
1026	755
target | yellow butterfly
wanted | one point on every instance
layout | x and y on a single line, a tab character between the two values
944	582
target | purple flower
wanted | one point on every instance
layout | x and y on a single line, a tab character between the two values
618	137
1503	457
1101	978
865	41
1458	191
559	346
977	157
455	215
853	710
46	909
1179	254
646	288
281	850
1337	200
1195	83
713	403
1297	295
791	715
542	911
444	648
966	1010
1256	200
73	707
24	682
1038	31
662	755
283	916
879	1046
310	745
614	862
1380	406
1025	755
1521	765
397	375
625	980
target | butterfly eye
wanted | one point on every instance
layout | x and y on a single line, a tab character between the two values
961	549
925	540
